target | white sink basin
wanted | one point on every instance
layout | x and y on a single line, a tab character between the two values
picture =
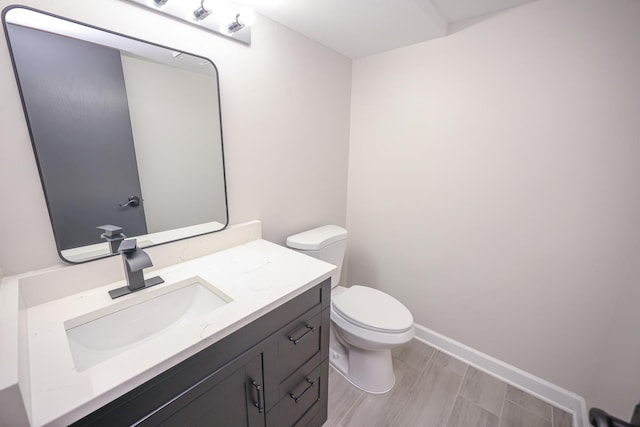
102	334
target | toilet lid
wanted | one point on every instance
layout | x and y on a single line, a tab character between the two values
374	310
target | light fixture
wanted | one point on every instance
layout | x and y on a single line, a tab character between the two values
218	16
245	18
201	12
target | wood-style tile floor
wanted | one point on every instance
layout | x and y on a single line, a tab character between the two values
435	390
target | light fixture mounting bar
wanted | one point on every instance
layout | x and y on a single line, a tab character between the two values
195	12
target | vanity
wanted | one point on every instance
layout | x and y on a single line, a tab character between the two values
257	357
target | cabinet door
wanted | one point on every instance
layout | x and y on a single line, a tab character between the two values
232	396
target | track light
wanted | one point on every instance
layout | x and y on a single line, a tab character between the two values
245	18
201	12
235	25
222	17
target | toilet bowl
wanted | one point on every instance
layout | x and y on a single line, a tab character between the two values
365	322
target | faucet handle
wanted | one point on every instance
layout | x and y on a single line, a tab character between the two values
113	235
128	246
134	258
111	230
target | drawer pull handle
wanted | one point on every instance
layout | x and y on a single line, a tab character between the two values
298	397
295	341
260	403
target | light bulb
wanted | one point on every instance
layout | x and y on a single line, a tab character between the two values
246	16
201	12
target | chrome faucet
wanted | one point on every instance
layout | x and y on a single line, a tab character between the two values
134	260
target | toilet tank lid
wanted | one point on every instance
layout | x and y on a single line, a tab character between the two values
318	238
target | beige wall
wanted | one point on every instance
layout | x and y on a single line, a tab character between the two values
285	109
493	187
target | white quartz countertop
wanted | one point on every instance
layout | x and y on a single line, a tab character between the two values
258	276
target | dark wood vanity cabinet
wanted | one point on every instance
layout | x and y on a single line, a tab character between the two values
272	372
232	397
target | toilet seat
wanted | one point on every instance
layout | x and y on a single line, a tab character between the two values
373	310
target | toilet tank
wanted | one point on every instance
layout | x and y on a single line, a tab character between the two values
327	243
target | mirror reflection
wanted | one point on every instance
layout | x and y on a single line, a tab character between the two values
126	134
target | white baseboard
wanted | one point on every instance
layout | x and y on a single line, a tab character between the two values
538	387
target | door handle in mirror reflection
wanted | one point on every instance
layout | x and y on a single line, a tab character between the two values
260	403
295	341
133	201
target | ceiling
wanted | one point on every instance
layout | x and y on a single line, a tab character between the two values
358	28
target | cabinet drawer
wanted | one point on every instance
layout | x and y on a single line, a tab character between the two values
298	342
300	396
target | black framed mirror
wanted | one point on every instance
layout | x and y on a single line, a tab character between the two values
126	133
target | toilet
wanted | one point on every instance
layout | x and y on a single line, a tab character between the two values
365	322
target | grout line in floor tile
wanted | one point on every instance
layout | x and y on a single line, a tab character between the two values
433	353
420	375
464	376
357	401
504	400
363	395
529	411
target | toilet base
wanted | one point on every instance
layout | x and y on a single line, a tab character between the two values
370	371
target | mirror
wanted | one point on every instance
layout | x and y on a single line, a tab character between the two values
126	133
